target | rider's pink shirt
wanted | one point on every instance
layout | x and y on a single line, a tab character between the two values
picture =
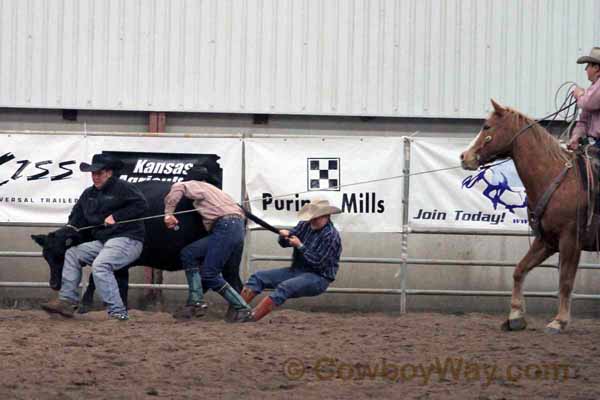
589	120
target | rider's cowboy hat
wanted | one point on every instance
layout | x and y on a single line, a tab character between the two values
593	58
101	161
317	208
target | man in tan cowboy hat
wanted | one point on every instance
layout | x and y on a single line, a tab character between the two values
589	101
317	248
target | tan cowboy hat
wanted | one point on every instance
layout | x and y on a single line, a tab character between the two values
317	208
593	58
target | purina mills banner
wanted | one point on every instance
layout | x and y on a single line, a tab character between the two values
284	173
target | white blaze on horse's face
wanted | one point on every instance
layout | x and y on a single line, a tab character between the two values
470	158
484	148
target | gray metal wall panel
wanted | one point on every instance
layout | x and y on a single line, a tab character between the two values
416	58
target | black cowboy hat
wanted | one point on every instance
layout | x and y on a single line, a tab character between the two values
201	173
196	173
101	161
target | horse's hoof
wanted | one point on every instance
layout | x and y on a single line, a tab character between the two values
517	324
551	331
555	327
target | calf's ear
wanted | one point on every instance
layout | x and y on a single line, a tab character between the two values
40	239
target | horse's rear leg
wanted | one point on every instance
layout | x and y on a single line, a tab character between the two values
536	254
570	252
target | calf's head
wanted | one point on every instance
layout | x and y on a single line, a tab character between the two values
54	246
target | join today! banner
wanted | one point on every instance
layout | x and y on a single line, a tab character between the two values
40	181
490	199
282	174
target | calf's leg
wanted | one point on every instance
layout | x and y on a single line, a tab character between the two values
122	277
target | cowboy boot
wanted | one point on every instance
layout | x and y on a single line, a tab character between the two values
195	293
63	307
265	306
241	310
248	294
195	306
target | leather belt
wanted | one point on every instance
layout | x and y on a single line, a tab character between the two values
228	216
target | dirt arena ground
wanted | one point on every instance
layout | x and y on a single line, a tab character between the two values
292	354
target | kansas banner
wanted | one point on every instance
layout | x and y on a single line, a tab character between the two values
282	174
40	180
490	199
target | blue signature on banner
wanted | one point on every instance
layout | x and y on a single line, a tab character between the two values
499	182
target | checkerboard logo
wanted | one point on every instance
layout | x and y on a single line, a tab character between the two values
323	174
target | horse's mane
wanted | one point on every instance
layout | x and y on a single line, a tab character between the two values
544	138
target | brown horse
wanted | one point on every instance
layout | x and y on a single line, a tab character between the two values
541	164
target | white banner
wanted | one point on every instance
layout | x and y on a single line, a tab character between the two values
40	179
284	173
491	199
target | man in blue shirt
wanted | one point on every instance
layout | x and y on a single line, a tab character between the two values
317	248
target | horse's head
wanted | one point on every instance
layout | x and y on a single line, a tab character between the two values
494	141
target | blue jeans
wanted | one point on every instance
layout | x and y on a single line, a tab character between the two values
224	246
105	259
288	283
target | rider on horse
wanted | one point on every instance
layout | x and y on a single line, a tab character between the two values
589	101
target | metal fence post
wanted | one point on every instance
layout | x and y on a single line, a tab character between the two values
245	271
404	246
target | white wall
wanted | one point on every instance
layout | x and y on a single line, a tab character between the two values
411	58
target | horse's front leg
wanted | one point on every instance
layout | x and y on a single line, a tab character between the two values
570	252
536	254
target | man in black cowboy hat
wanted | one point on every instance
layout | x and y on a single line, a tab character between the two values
317	249
589	101
105	204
